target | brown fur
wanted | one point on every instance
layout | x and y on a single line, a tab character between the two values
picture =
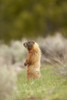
33	60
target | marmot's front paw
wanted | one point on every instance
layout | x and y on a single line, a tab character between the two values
25	64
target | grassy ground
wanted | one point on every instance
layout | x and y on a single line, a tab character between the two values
49	87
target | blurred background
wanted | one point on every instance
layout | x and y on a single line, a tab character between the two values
44	21
32	18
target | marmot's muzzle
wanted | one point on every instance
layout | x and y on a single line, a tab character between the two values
24	44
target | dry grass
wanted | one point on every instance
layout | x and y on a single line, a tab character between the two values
11	58
54	48
54	52
7	83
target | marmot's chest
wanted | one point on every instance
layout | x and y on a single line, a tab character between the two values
33	68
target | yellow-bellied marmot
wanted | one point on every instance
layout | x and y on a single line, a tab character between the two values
33	59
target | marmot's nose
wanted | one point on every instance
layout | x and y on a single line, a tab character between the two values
24	44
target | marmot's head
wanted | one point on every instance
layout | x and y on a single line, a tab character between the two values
29	45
